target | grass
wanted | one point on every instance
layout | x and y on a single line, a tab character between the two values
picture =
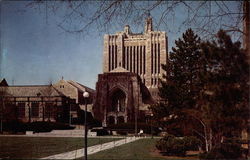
38	147
143	149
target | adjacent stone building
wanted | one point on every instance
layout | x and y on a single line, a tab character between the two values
55	102
74	91
33	103
131	73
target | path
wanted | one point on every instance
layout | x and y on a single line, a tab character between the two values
92	149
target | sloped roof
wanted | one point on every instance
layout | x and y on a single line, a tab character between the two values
3	82
119	69
80	87
31	91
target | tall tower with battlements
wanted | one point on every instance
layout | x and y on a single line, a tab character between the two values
140	53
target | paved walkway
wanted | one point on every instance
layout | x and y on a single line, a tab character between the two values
92	149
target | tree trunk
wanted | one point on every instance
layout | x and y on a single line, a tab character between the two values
246	28
210	139
206	139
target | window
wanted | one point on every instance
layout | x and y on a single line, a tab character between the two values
35	109
144	59
159	58
48	108
21	109
152	59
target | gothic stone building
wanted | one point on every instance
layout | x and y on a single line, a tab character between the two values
131	73
54	102
33	103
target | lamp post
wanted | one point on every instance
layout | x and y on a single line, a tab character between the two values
85	95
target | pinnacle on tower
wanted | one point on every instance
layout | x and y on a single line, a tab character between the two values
149	23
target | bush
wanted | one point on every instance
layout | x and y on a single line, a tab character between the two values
14	126
172	145
223	151
192	143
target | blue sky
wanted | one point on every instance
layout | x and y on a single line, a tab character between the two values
34	50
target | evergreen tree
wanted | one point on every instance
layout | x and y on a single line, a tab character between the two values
180	86
207	82
225	86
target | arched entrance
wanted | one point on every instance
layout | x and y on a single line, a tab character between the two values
120	120
111	120
118	101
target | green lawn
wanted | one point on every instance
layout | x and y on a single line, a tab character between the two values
38	147
143	149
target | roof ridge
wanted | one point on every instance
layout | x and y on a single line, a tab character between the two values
73	83
60	93
85	86
29	85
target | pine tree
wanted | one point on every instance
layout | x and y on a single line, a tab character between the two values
226	86
181	85
208	82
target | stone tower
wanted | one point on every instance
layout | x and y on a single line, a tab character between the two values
131	72
140	53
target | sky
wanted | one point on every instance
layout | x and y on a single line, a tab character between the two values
35	51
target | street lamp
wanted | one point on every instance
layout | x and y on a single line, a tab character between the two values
85	95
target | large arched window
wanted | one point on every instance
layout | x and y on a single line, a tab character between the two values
118	101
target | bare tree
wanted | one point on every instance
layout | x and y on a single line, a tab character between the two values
206	18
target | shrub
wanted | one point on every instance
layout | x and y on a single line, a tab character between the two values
192	143
223	151
171	145
14	126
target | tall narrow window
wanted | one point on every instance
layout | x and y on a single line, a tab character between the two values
21	109
35	109
140	59
109	58
123	57
112	56
133	59
144	60
127	63
152	58
48	109
159	58
115	56
131	54
155	50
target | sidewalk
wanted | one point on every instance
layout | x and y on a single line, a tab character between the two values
93	149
